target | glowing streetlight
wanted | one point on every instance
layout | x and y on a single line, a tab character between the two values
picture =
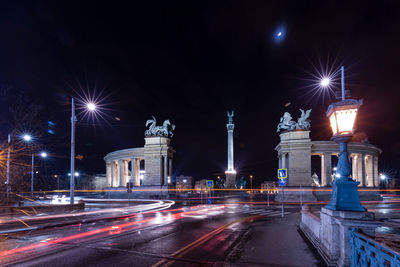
91	106
382	176
342	116
325	82
27	137
43	155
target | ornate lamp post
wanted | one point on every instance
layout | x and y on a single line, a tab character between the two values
342	116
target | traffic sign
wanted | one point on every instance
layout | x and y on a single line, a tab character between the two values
210	183
282	182
282	173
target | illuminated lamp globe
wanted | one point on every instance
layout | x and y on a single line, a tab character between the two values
342	116
91	106
325	82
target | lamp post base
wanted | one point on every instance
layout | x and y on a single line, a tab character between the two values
345	196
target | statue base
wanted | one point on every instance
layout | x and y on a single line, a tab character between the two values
230	182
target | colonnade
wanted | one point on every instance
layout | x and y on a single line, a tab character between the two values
118	173
364	167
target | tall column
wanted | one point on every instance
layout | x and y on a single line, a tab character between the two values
120	173
133	171
323	171
364	178
112	174
230	172
376	175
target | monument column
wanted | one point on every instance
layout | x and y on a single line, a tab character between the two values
126	172
280	161
359	170
230	172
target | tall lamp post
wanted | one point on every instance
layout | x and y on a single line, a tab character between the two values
342	116
91	107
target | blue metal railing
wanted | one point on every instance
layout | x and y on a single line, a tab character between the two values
367	252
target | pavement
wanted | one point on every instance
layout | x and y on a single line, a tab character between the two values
278	242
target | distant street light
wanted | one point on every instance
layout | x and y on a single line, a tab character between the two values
27	137
342	116
43	155
251	182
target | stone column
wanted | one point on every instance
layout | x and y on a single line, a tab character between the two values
108	173
170	168
368	170
165	171
133	171
125	176
359	170
327	167
376	175
364	178
280	161
137	179
120	172
112	174
283	160
323	171
354	168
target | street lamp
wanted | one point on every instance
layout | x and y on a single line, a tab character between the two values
342	116
251	182
91	107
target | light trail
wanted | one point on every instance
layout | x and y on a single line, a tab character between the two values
6	256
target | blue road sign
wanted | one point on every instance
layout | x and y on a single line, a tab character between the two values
282	182
210	183
282	173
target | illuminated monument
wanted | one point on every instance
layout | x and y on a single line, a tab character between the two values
230	172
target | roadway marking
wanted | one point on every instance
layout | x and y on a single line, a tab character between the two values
186	249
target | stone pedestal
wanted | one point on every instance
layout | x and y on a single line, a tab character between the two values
157	151
335	232
296	194
294	152
230	181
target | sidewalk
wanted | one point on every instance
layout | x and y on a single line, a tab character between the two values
277	242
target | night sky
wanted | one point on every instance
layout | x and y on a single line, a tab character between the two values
190	62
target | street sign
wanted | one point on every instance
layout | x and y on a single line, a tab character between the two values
282	182
282	173
210	183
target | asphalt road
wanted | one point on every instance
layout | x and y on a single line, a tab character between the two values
177	236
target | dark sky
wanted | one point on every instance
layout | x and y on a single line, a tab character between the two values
190	61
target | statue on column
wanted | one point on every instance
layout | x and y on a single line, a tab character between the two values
230	116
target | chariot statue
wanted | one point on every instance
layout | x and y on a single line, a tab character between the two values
286	122
162	131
